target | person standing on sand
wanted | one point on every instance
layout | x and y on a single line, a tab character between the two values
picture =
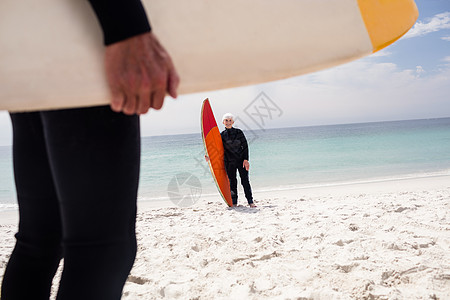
236	158
77	171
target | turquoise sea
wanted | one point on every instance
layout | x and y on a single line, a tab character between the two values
291	157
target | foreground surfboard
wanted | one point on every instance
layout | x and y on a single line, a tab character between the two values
51	50
214	150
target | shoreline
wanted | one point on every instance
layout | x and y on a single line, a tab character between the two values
350	188
366	187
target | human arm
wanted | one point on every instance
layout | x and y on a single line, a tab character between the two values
120	19
138	69
244	145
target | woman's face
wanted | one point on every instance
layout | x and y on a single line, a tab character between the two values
228	123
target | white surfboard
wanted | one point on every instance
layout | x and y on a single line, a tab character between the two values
51	52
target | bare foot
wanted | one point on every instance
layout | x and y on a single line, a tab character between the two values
252	205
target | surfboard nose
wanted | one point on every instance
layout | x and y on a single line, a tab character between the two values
387	20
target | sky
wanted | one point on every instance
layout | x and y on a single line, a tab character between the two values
409	79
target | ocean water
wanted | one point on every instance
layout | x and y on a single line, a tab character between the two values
290	157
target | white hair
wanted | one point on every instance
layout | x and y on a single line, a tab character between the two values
227	116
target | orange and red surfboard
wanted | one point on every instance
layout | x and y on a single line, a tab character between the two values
214	150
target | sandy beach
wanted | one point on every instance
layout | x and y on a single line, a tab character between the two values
382	240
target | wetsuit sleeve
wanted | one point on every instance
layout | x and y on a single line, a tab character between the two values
120	19
244	145
222	135
225	147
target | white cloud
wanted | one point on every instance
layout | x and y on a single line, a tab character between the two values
419	71
362	91
438	22
382	53
446	38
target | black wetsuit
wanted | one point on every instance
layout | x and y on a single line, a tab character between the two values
236	151
76	174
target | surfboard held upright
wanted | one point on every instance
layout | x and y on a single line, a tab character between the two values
215	151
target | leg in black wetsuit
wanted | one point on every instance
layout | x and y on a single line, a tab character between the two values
76	175
243	173
231	168
231	172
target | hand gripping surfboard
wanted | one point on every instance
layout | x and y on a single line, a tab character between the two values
51	52
215	151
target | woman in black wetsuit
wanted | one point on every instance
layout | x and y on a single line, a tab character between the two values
236	159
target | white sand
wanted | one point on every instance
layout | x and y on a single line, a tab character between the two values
385	240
